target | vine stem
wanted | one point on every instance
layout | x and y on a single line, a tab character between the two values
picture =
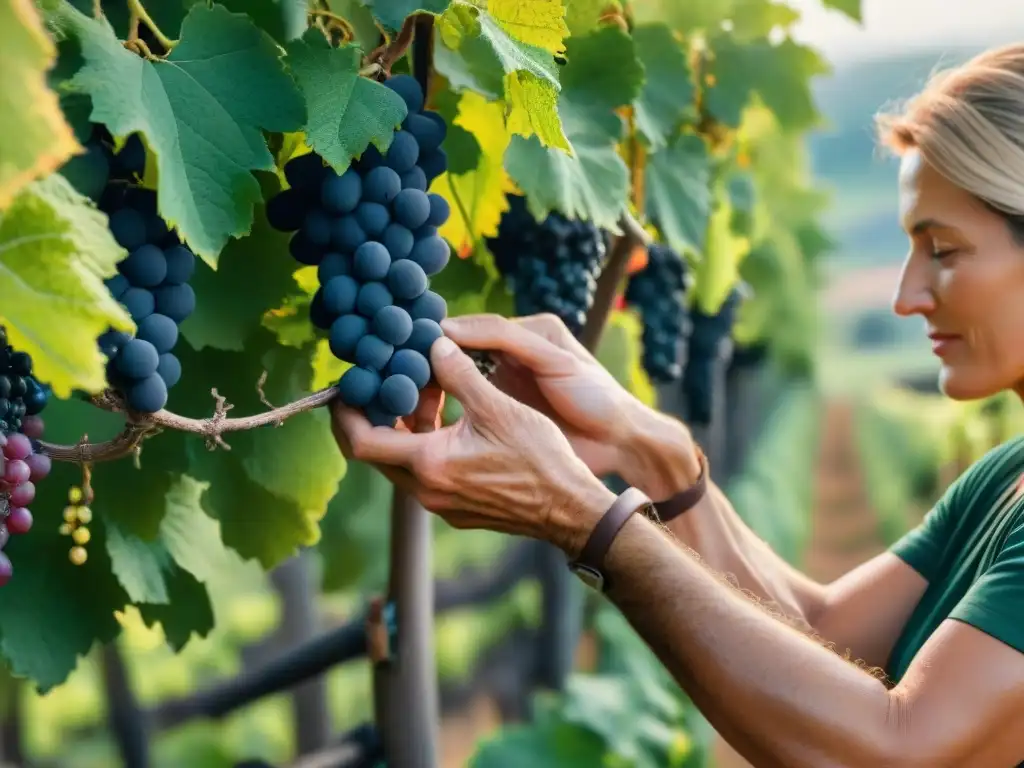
387	55
136	8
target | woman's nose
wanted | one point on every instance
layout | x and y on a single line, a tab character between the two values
914	294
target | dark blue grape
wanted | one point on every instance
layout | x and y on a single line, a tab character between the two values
415	179
341	194
118	284
181	264
431	253
370	159
429	306
175	301
346	332
131	160
371	261
424	232
406	280
137	359
410	91
110	342
399	395
429	132
304	250
148	395
129	228
373	352
372	298
35	398
318	315
317	227
169	369
398	240
658	291
347	234
409	362
286	210
156	229
145	267
358	386
377	416
393	325
424	333
333	265
160	331
381	185
403	152
434	163
139	302
412	208
88	173
305	170
339	295
439	210
373	218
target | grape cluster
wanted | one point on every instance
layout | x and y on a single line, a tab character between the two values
77	516
658	291
152	281
552	265
372	234
706	335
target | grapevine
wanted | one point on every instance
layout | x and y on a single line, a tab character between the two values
659	292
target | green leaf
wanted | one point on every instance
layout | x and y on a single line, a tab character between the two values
283	20
685	17
345	112
55	251
677	196
186	613
602	75
584	16
360	18
668	92
34	137
139	566
718	269
754	19
201	111
547	745
391	13
779	74
850	7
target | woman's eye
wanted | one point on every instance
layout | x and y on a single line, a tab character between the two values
942	253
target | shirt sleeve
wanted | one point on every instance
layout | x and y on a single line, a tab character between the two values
923	547
993	603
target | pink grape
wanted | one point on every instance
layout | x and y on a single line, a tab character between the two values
39	464
5	569
5	535
23	494
32	426
18	446
16	472
20	519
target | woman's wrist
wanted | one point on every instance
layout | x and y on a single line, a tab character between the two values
658	454
573	518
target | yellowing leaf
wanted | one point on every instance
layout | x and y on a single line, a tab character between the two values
34	137
538	22
533	109
478	198
718	269
55	251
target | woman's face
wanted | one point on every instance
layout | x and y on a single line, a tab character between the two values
965	276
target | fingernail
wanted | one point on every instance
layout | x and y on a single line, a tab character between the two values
443	347
449	323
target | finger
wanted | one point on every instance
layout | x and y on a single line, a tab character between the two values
378	445
554	330
515	340
427	416
458	375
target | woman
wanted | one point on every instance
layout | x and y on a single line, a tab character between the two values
942	612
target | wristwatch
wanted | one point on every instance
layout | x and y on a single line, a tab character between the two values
588	567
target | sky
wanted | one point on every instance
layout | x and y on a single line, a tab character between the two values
894	25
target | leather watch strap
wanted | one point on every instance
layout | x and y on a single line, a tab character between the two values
686	500
591	558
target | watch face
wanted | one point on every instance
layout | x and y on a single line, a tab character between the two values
589	576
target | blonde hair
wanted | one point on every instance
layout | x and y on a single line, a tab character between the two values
968	124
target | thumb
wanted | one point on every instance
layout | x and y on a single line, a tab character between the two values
458	375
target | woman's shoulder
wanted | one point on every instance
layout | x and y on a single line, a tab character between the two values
1001	465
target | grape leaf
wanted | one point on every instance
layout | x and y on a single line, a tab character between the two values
851	8
187	612
55	250
684	17
392	13
201	110
676	192
479	197
283	20
360	18
540	23
717	271
345	112
779	74
529	73
754	19
584	16
34	138
668	92
139	566
550	743
602	75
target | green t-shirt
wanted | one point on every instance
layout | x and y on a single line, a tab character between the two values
970	548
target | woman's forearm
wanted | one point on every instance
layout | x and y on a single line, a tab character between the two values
791	701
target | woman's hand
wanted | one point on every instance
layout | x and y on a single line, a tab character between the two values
545	367
503	466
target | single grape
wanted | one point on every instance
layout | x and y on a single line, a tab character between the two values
139	302
19	520
424	232
433	163
412	208
169	369
181	265
371	261
341	194
286	210
381	185
138	359
345	333
17	447
409	362
145	267
318	315
399	395
424	333
128	228
378	416
358	386
373	218
428	135
369	160
403	153
372	298
373	352
5	386
22	495
317	227
39	465
131	160
415	179
393	325
430	306
5	535
88	173
177	302
431	253
148	395
117	285
16	472
407	280
410	91
439	210
398	240
347	234
304	250
339	295
160	331
333	265
33	427
35	398
305	170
